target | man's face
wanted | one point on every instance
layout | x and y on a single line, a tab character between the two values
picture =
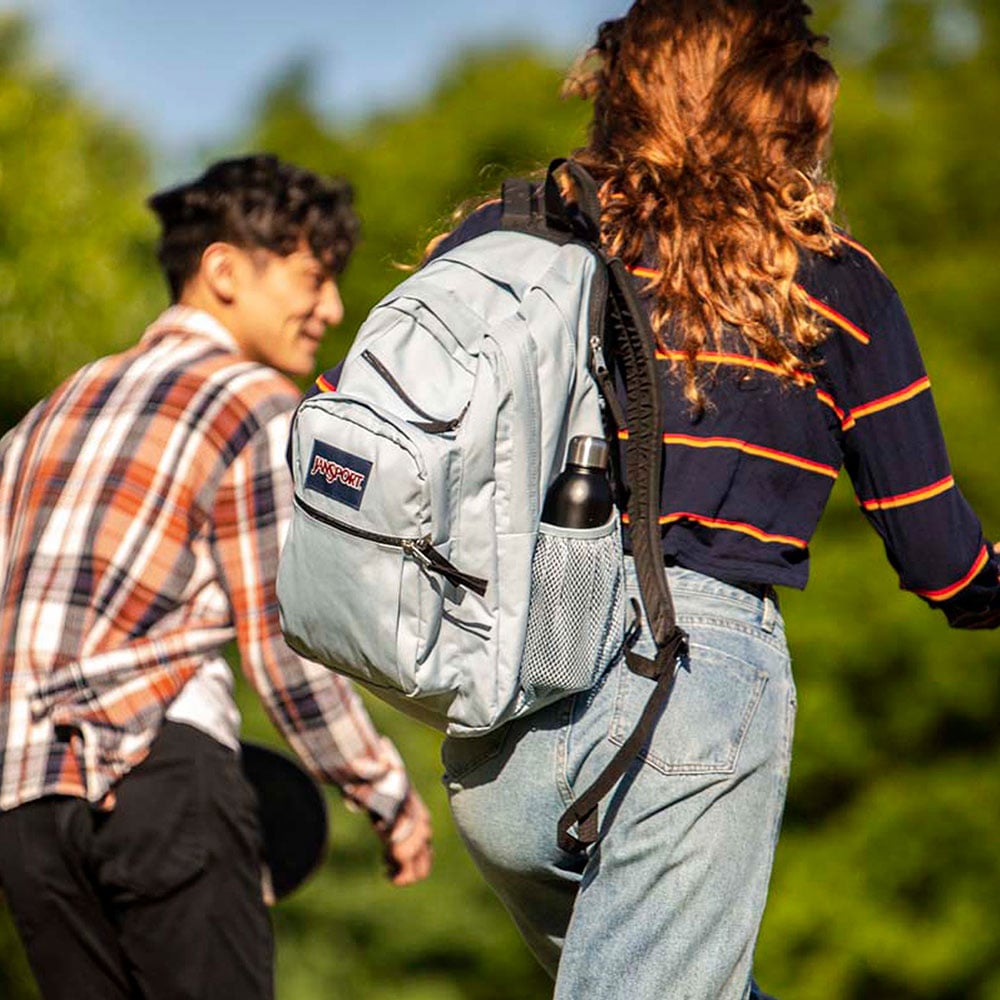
283	307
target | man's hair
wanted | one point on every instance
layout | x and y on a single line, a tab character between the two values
711	128
254	202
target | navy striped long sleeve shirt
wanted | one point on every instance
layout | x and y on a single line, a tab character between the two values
745	482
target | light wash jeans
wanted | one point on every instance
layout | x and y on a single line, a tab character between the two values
668	904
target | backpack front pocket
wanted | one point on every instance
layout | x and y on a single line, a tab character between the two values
367	489
321	614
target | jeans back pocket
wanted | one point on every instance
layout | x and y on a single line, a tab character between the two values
715	697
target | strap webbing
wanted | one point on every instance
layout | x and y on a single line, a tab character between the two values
583	811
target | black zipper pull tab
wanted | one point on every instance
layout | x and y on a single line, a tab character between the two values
424	552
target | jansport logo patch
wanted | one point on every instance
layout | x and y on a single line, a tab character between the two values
338	474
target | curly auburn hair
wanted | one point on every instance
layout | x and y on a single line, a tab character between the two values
254	202
711	128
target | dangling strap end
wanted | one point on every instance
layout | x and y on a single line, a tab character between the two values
586	827
663	662
642	666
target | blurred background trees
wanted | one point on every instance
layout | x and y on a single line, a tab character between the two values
888	872
75	276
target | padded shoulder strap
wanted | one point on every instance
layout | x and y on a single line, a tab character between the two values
634	344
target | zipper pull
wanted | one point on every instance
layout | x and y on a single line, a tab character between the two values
608	394
414	548
597	364
432	561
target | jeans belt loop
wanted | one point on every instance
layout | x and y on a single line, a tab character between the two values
769	610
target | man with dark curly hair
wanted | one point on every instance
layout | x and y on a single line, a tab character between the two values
142	507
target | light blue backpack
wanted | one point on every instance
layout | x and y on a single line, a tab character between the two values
416	562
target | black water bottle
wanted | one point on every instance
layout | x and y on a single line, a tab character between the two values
580	497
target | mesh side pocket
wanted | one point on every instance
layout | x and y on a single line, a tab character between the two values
576	617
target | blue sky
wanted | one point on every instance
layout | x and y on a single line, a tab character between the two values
187	71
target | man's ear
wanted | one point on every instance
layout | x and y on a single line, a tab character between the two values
220	271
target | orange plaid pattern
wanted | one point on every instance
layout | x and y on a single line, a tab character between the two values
142	508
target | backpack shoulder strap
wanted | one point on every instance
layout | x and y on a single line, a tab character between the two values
627	330
620	326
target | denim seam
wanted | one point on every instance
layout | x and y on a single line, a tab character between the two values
566	719
745	603
791	709
775	638
771	617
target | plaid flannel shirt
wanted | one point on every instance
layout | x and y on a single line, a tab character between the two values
142	508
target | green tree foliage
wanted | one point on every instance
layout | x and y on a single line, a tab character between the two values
492	114
888	871
75	275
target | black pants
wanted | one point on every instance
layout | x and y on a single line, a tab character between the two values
160	898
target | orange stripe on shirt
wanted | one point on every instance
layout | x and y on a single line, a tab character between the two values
739	360
751	449
942	595
893	399
644	272
724	525
912	497
325	384
846	421
821	307
837	318
857	246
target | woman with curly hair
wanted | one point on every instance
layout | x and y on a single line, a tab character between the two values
785	355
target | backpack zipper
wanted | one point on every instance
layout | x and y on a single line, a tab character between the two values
421	549
432	425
